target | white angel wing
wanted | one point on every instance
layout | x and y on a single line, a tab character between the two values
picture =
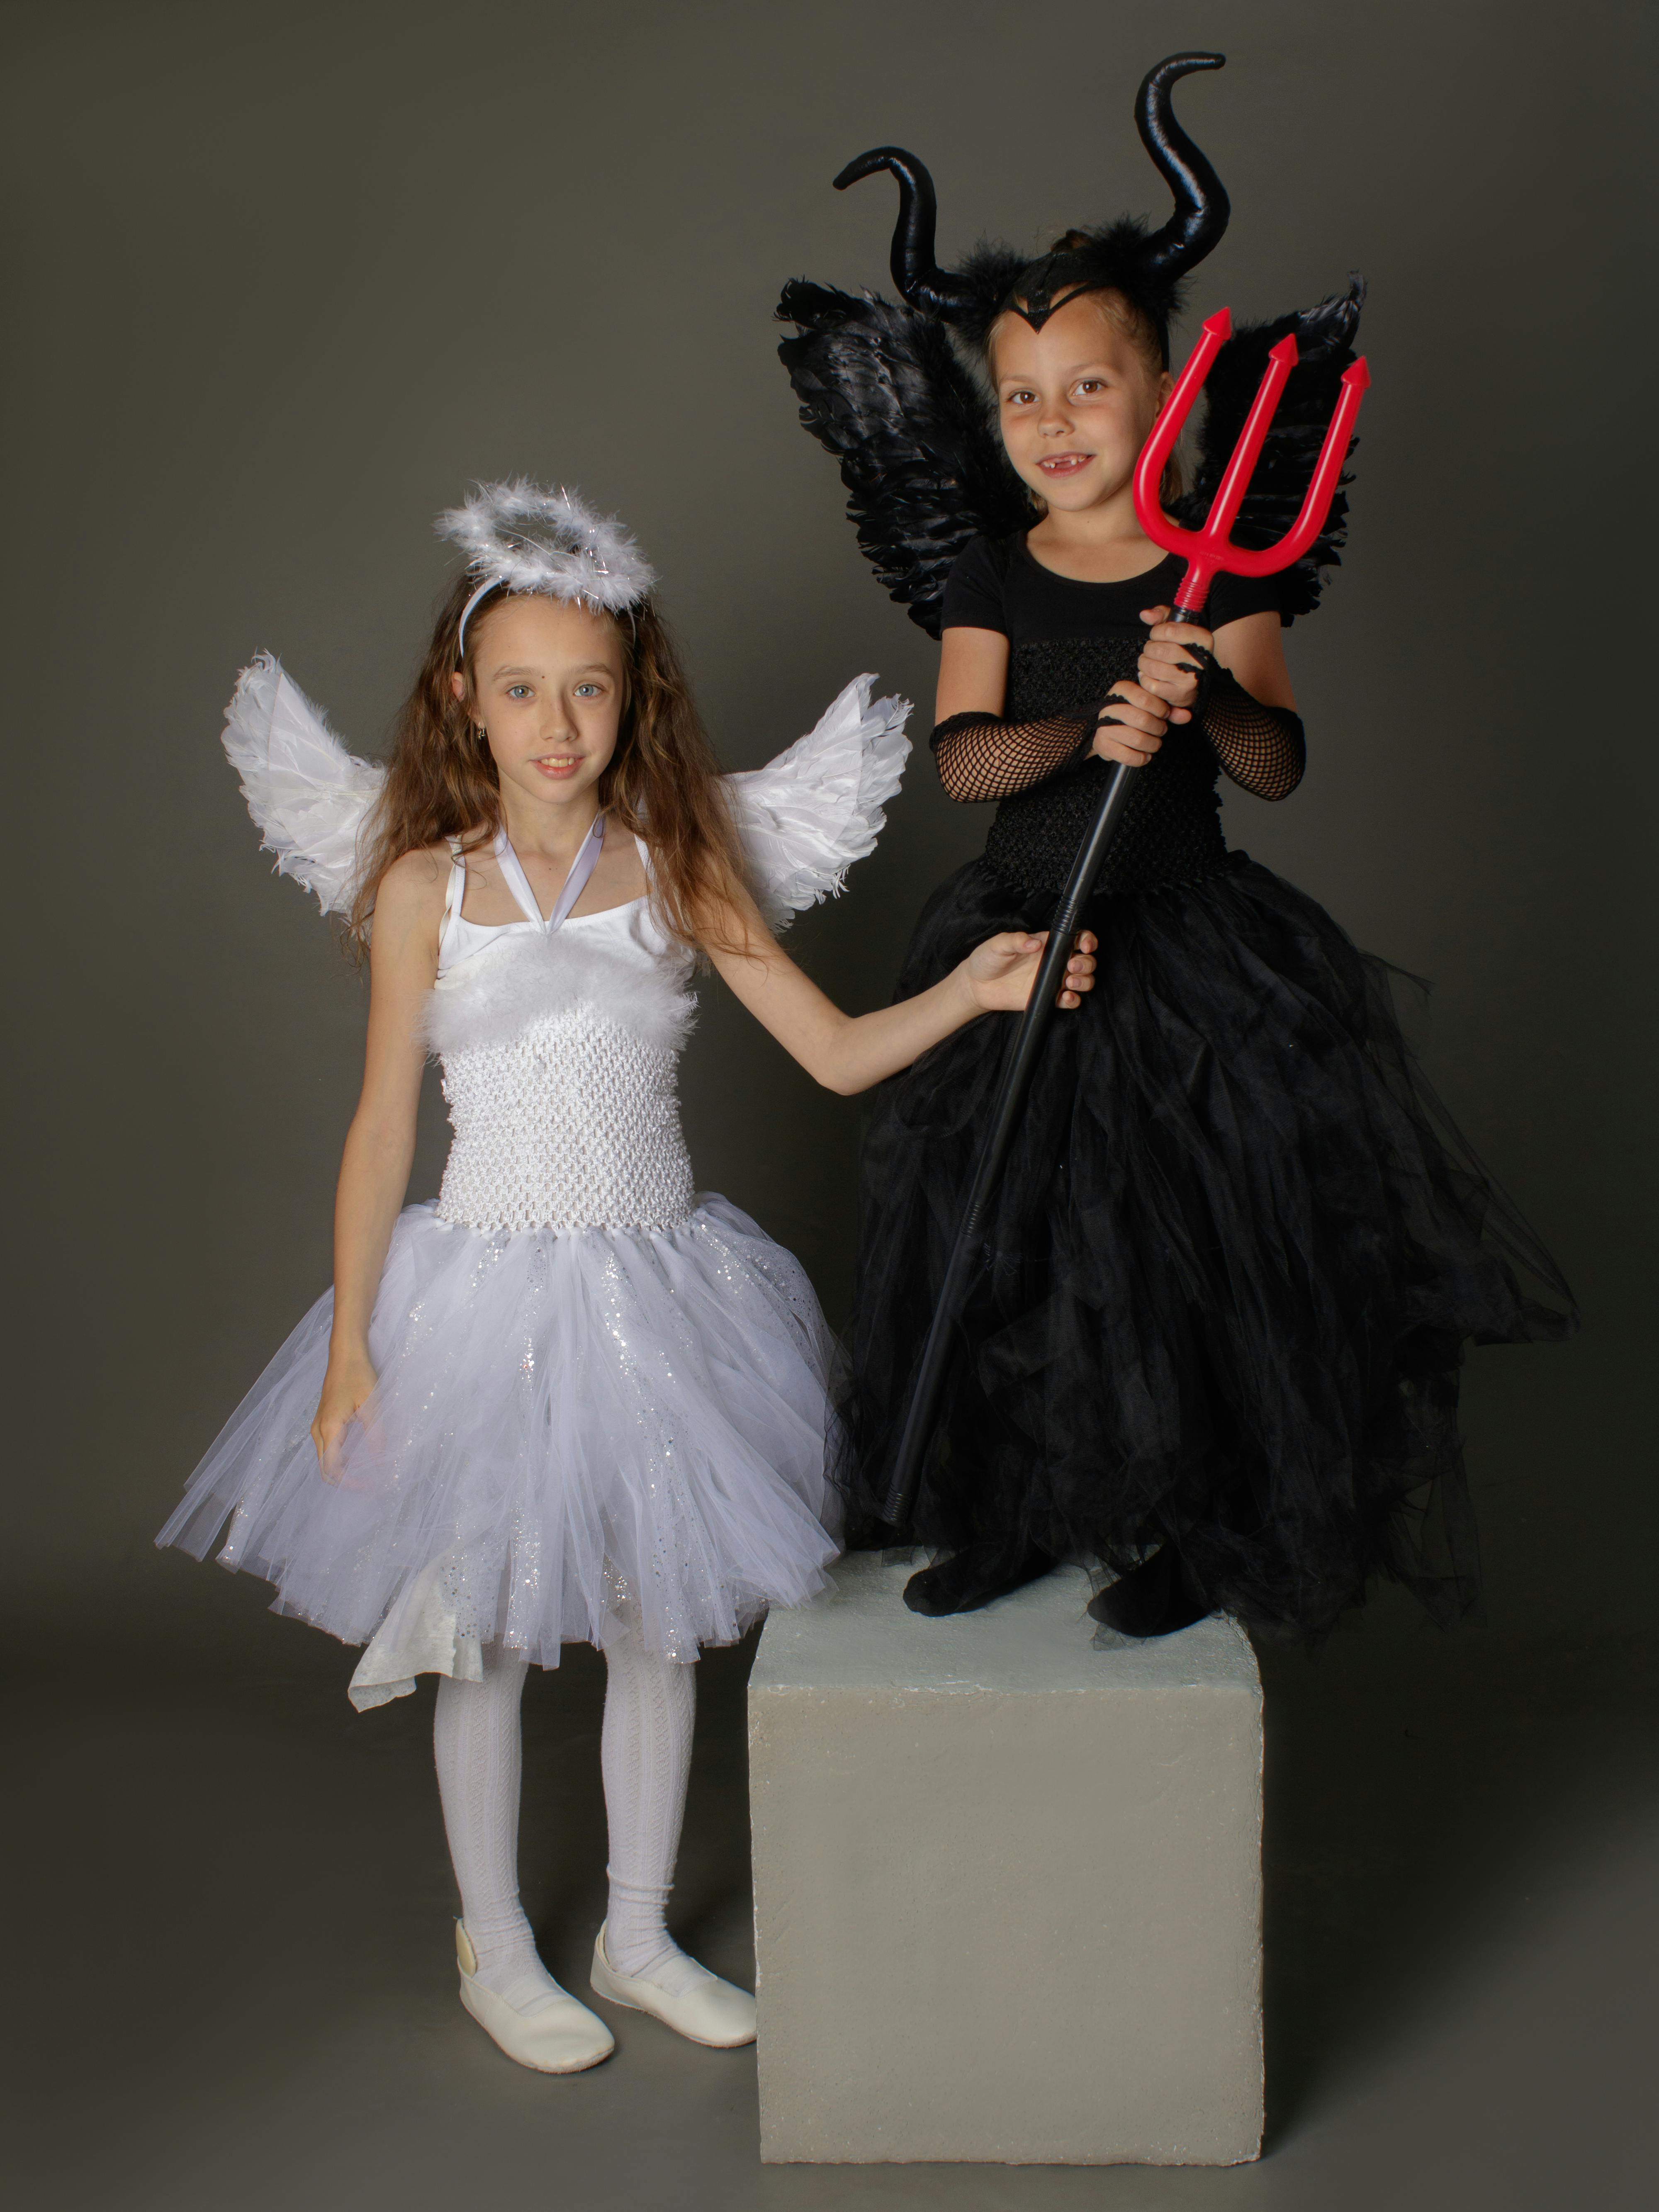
808	814
309	795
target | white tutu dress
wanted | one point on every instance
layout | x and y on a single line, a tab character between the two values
597	1390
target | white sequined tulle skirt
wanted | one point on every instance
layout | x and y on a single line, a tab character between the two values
568	1425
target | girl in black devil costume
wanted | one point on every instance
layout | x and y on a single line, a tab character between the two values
1237	1247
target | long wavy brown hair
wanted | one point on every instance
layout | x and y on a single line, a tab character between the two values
662	784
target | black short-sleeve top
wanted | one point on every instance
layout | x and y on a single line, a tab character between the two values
1068	643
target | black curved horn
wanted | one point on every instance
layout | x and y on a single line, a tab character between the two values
921	282
1202	206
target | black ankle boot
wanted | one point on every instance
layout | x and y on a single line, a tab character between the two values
1157	1598
973	1576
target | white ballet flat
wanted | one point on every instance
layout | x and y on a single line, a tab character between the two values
711	2012
561	2037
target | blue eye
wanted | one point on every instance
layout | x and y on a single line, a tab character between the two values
518	690
588	691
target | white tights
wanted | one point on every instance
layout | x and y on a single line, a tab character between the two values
645	1755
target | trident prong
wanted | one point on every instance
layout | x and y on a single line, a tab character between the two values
1211	547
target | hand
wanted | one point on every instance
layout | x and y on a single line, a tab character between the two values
346	1387
1000	972
1171	661
1131	725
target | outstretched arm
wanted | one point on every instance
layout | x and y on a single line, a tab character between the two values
380	1145
847	1052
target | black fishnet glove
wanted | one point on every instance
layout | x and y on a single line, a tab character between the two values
1263	749
982	757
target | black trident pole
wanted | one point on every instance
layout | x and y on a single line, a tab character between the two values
1022	1050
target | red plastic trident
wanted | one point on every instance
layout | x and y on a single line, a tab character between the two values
1205	552
1212	548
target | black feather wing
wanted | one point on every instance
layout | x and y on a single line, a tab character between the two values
882	388
1324	337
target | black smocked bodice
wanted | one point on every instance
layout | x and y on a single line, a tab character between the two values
1170	832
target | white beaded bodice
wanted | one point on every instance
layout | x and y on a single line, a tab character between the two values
561	1052
574	1124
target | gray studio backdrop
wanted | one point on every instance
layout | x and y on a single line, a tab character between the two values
280	282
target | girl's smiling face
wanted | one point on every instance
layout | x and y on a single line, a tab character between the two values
548	687
1075	401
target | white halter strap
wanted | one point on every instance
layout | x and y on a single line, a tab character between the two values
575	884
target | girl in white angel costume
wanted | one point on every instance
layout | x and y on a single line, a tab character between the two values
571	1400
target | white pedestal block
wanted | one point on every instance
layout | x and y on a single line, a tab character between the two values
1007	1887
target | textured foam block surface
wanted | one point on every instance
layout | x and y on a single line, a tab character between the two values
1008	1886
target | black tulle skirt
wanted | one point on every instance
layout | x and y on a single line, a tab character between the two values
1236	1254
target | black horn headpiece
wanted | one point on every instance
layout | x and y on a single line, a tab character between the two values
920	281
1146	266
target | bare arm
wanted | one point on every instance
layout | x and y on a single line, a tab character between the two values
1253	649
380	1145
973	673
847	1052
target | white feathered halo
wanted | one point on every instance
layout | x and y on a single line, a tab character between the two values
517	535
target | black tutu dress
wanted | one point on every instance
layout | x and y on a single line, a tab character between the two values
1238	1248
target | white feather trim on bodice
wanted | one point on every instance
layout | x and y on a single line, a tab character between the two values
808	814
309	795
618	962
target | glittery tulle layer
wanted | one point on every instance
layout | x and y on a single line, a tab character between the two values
561	1419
